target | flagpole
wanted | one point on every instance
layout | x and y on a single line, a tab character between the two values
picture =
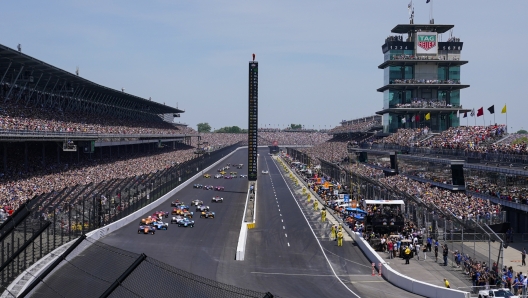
506	118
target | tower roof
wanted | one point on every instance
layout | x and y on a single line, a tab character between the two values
406	28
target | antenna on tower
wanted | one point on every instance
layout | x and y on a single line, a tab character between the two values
431	17
77	71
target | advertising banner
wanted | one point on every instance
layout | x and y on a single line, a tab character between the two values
426	43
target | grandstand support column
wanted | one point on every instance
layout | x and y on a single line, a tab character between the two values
110	151
13	84
25	156
43	154
58	154
5	158
5	73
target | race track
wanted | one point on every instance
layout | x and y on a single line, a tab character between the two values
283	255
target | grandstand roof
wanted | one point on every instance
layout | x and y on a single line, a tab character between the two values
404	62
422	86
12	59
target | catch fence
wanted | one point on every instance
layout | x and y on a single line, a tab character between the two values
94	269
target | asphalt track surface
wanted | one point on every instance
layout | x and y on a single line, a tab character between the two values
288	253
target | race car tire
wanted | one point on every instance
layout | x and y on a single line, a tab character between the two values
192	226
139	231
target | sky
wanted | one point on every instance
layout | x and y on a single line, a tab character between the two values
317	59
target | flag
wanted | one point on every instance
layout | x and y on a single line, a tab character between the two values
428	116
480	112
492	109
404	120
428	1
503	110
472	113
465	115
417	118
412	118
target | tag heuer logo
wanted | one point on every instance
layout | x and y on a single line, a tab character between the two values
426	42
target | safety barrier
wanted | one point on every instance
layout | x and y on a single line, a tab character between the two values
402	281
251	198
104	231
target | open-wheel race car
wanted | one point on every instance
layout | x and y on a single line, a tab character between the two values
187	214
177	203
146	229
218	199
196	203
159	225
146	221
186	223
202	208
208	187
160	214
197	186
219	188
207	214
176	219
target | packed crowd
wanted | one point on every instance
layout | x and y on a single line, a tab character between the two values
465	137
419	57
19	117
423	81
470	138
394	38
360	126
425	103
21	186
512	193
405	137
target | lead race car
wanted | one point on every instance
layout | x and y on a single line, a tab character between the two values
146	229
159	225
218	199
177	203
186	223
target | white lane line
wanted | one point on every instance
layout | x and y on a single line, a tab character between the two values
279	210
288	243
283	227
280	214
286	235
315	236
282	220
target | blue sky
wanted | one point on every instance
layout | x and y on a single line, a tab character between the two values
317	59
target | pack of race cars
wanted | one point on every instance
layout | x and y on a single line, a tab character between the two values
181	214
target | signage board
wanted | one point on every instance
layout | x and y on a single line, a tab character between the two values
253	121
427	43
